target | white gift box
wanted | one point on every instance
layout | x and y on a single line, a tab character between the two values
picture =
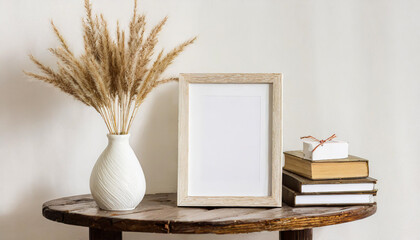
333	149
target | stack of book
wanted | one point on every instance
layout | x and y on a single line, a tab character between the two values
342	181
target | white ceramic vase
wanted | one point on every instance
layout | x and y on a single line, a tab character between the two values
117	181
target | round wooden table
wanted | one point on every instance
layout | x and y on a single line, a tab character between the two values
158	213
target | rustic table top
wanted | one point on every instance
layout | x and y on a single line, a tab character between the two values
158	213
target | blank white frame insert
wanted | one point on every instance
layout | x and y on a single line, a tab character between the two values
229	139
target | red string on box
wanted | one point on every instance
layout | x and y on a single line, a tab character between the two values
321	142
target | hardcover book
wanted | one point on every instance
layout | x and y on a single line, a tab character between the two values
304	185
295	199
350	167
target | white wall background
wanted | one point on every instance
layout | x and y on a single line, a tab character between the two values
350	67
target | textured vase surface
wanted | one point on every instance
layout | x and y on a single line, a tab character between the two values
117	181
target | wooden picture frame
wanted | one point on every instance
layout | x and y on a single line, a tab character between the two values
249	178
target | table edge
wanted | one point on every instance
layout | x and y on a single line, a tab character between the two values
226	227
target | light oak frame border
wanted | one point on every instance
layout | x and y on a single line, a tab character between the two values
277	146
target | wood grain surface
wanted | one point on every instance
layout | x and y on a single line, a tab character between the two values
158	213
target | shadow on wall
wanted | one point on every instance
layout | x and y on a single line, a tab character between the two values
26	104
25	108
25	221
154	138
